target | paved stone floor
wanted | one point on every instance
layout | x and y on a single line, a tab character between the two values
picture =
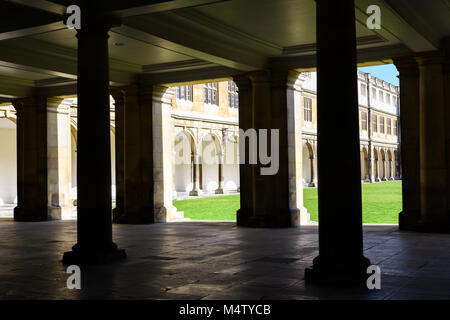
192	260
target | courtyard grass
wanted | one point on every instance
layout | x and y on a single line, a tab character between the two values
381	204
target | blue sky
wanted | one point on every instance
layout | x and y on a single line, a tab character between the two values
386	72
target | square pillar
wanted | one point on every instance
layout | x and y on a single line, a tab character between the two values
246	170
163	152
271	100
409	135
295	148
32	197
134	156
59	159
433	162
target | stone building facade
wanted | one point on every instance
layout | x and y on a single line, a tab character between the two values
200	138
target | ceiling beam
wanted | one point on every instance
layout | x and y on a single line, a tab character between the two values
55	61
188	76
42	5
131	8
31	31
394	26
162	31
364	55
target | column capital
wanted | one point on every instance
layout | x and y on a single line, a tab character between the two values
58	105
242	81
407	66
259	76
162	94
431	58
29	102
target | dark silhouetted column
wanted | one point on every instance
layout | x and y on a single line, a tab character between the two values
32	198
246	170
94	223
341	258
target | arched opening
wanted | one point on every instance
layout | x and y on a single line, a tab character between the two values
396	165
308	165
383	165
210	151
376	165
389	166
184	150
231	164
365	165
8	166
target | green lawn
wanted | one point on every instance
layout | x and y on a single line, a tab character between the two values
381	204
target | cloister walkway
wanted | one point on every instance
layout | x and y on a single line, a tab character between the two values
214	260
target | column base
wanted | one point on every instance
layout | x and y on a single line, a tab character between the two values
85	256
277	219
22	214
408	220
145	216
312	185
166	213
194	193
219	191
412	221
338	272
59	213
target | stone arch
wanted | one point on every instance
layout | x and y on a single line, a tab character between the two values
376	164
8	160
230	149
184	148
396	165
308	163
389	165
210	148
383	163
365	164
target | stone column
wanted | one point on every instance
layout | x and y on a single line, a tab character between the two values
313	178
195	174
134	119
409	134
32	197
94	222
341	258
294	115
119	109
220	177
163	147
246	170
59	159
392	170
433	169
446	52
